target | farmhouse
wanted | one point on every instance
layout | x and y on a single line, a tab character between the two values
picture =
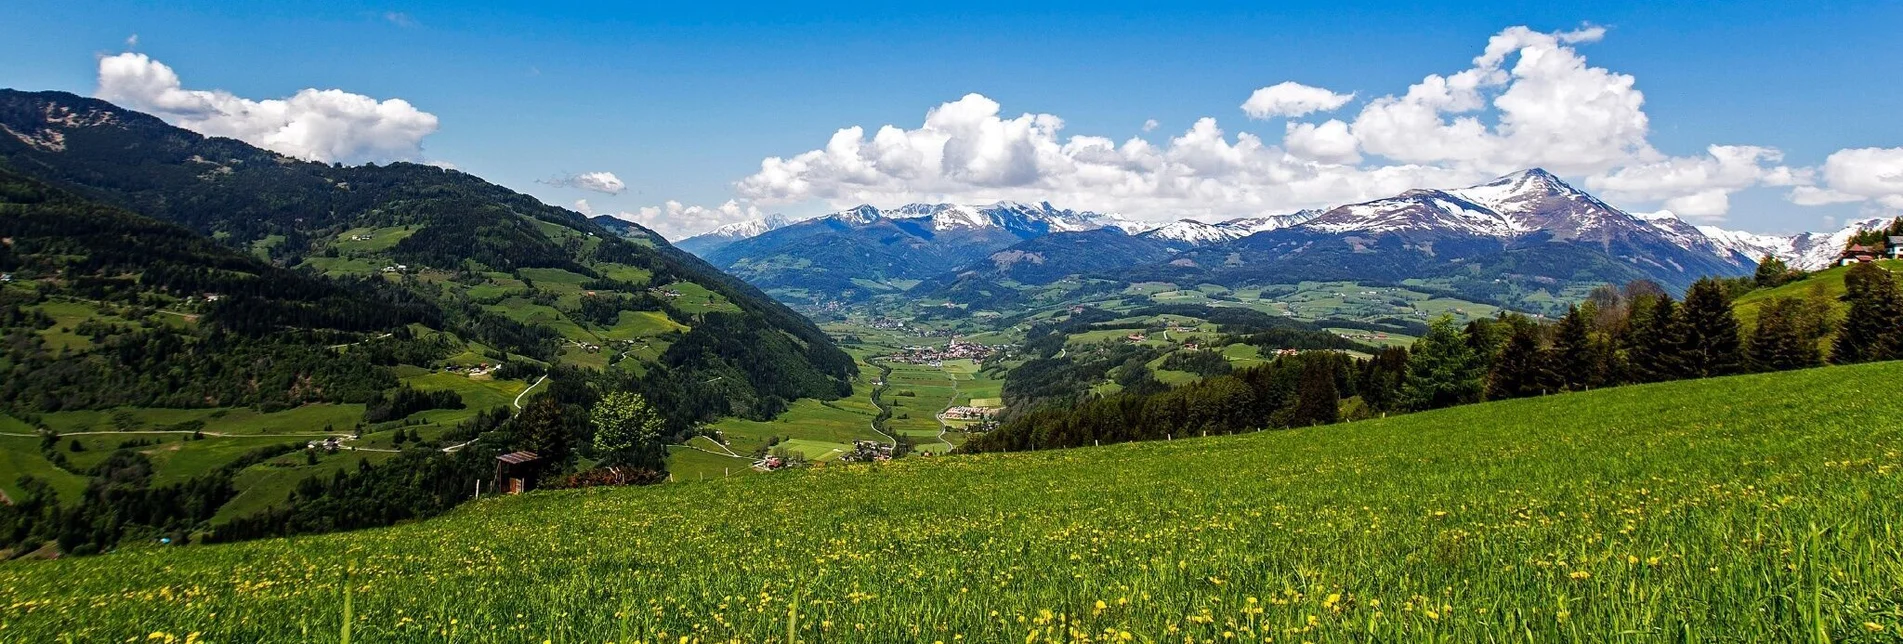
1857	254
968	413
1896	247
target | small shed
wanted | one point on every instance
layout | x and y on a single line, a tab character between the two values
516	472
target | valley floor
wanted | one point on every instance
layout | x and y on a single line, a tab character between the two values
1753	508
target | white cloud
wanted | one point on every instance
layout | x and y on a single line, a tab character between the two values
132	41
317	125
1699	186
601	181
581	206
1529	99
967	151
675	220
1150	125
1550	109
1858	175
1329	142
1292	99
399	19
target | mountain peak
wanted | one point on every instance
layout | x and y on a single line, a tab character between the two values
858	215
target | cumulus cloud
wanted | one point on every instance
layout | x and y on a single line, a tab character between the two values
1329	142
1292	99
602	181
316	125
675	220
967	151
1549	109
1858	175
1699	187
1529	99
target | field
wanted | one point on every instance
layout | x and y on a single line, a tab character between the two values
1754	508
229	434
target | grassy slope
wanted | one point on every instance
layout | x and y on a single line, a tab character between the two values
1831	280
1752	508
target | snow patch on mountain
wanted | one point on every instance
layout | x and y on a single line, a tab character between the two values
748	228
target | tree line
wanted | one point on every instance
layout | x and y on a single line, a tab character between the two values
1637	333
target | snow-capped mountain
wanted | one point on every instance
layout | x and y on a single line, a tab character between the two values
1513	206
734	232
1806	251
1040	218
1191	232
1526	225
1196	233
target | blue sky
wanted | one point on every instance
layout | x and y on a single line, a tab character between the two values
680	101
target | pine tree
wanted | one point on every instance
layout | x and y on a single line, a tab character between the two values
1518	372
1443	369
1872	329
1713	346
1572	362
1784	338
1317	400
1655	349
1381	379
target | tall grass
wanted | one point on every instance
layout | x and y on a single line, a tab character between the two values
1757	508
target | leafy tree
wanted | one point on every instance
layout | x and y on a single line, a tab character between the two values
1872	329
1774	272
627	431
1713	345
1443	369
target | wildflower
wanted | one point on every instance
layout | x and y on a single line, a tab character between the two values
1580	575
1873	627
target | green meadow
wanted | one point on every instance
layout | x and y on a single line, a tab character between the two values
1752	508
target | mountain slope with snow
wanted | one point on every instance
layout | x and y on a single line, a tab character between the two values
1528	225
730	233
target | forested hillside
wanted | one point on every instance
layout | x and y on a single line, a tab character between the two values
199	333
521	281
166	318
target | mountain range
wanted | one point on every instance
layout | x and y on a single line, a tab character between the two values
1527	225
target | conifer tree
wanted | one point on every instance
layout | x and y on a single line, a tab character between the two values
1655	351
1518	372
1713	346
1381	378
1317	400
1785	337
1572	361
1443	369
1872	329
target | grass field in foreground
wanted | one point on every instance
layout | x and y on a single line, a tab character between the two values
1755	508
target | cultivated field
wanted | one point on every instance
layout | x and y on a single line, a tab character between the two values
1755	508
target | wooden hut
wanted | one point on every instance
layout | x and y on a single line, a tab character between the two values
516	472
